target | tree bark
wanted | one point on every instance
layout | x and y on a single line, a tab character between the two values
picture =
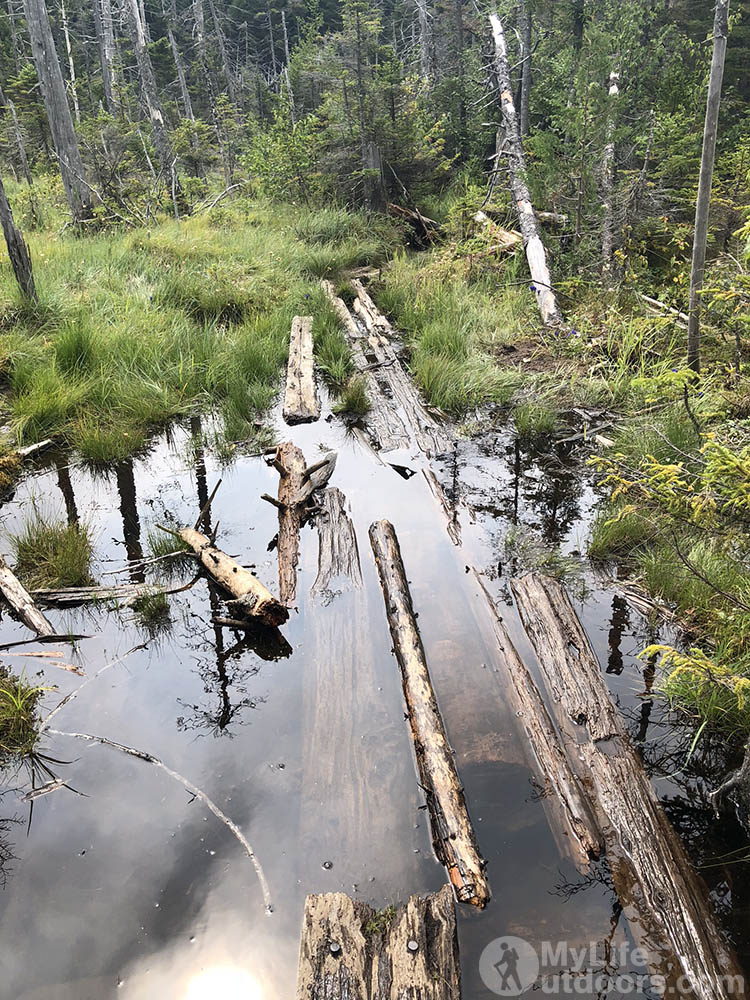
22	603
187	104
60	120
18	251
702	205
541	282
525	31
348	951
426	42
71	64
608	178
453	835
223	55
251	598
301	401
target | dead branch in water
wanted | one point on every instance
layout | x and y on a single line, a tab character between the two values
194	790
22	603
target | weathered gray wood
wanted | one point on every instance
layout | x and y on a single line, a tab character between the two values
562	795
18	251
338	553
21	601
126	593
301	401
703	202
661	894
452	831
546	299
411	954
60	120
569	665
250	596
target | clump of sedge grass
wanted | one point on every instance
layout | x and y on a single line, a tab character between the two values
535	419
19	725
152	612
354	400
53	554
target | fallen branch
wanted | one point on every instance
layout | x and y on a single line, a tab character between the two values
452	832
194	790
21	602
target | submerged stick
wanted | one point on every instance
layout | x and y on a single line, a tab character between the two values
452	831
194	790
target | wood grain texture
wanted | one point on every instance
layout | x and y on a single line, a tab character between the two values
301	401
409	954
21	601
453	835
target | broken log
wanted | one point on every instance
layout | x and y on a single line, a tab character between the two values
371	316
348	951
659	890
546	299
301	401
297	483
452	832
125	594
561	793
338	554
251	598
21	601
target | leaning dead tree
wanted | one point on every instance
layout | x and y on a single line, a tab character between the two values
348	951
453	835
297	483
60	120
301	401
651	871
721	32
512	149
250	597
18	251
22	603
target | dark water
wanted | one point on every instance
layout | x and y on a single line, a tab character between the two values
135	889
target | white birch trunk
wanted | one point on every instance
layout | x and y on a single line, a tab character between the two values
608	178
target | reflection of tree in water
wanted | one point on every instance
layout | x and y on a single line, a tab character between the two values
7	826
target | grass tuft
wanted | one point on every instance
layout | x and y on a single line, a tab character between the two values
354	400
53	554
19	725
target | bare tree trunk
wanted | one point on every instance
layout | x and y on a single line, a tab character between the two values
200	39
525	31
71	64
187	104
608	178
167	160
64	138
721	31
292	111
14	36
108	56
18	252
221	42
426	42
546	299
459	17
271	40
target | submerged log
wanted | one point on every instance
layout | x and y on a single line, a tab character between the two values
126	593
301	401
561	793
348	951
297	483
452	831
21	601
658	888
251	598
338	553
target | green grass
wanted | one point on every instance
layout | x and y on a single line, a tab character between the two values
353	399
535	419
52	554
152	613
19	725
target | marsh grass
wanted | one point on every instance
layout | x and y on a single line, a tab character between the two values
19	724
535	419
353	399
152	614
52	553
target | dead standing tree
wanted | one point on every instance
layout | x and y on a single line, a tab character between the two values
18	252
48	70
512	149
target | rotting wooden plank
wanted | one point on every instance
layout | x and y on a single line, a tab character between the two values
653	876
570	667
562	794
452	831
348	951
21	601
338	553
250	596
301	400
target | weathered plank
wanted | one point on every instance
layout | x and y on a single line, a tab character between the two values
666	900
452	831
348	951
301	400
250	596
21	601
338	553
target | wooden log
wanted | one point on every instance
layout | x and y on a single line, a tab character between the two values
126	593
251	598
659	890
452	831
301	401
348	951
338	553
21	601
567	806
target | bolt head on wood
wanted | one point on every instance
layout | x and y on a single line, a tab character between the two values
413	946
335	948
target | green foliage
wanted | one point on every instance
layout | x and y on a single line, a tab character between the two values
19	724
353	399
53	554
